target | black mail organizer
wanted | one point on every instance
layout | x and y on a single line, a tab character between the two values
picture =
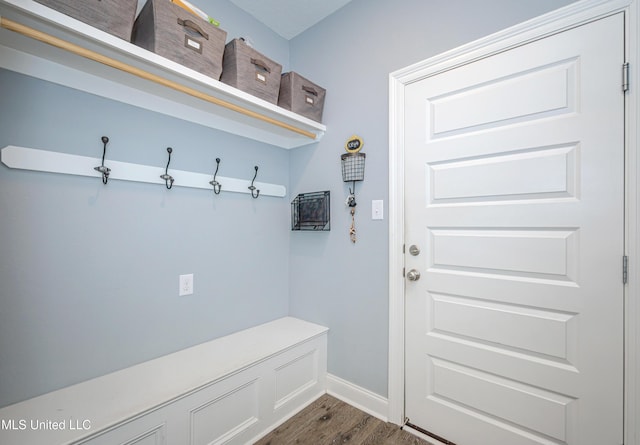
311	211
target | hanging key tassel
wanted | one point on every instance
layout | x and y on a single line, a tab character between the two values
352	230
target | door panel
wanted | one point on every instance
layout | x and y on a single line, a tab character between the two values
514	170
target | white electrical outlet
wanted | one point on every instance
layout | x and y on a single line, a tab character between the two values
186	285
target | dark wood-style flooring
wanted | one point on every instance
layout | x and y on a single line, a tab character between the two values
329	421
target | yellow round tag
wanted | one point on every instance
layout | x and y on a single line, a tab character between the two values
354	144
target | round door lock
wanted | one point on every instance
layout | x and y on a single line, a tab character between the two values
414	250
413	275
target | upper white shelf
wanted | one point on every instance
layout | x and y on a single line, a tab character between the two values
37	59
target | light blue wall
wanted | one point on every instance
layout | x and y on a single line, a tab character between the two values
351	53
89	273
238	24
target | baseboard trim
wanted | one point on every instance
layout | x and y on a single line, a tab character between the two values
361	398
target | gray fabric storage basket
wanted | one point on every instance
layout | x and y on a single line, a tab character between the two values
113	16
301	96
172	32
248	70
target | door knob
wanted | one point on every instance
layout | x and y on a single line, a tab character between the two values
413	275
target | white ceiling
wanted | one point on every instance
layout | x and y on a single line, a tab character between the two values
290	17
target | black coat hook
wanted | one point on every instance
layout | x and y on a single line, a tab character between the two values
168	179
216	185
102	169
253	187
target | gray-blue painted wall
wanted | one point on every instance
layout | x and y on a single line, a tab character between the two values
351	53
89	273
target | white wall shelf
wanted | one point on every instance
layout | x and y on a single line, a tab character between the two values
24	158
32	57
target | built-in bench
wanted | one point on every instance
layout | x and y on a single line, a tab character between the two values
231	390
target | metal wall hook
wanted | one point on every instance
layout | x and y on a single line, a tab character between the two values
253	187
351	199
102	169
168	179
216	185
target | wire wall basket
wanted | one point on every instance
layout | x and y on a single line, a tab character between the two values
311	211
353	166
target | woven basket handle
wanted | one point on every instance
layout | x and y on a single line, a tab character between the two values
261	64
309	90
192	26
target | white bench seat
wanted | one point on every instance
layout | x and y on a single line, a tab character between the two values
234	388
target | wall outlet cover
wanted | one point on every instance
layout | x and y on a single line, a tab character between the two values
186	285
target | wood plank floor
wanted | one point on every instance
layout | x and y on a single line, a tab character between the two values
329	421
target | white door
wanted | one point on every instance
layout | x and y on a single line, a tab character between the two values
514	168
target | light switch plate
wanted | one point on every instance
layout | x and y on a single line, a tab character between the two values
377	209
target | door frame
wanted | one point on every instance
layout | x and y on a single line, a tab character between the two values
567	17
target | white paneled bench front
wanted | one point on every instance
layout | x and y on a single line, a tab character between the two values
231	390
